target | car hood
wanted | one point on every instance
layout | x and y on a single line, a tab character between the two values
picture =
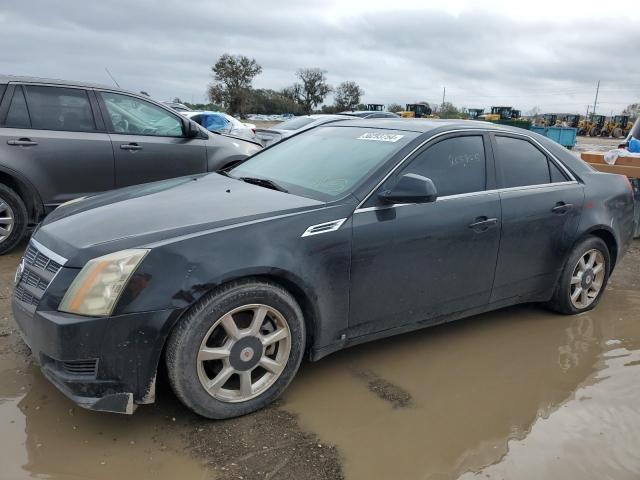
137	216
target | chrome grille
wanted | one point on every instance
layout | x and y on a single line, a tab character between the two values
25	297
38	259
39	271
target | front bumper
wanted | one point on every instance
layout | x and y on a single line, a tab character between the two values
107	364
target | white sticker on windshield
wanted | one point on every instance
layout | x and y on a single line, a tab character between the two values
380	137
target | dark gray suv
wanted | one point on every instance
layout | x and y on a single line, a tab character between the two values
64	140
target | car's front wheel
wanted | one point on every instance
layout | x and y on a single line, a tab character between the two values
583	278
13	219
237	349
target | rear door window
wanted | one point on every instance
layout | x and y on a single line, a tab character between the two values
57	108
520	163
455	165
18	115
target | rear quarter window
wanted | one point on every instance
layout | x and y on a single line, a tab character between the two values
3	87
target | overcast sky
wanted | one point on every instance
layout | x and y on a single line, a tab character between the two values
525	54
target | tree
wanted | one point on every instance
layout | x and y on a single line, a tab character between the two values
266	102
394	107
232	76
347	96
632	110
448	110
311	91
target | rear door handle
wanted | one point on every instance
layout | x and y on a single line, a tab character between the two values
22	142
130	146
561	208
482	224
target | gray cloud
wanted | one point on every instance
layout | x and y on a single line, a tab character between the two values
396	55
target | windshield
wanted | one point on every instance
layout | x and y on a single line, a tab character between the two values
295	123
326	162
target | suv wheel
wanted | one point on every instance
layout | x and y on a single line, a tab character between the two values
13	219
583	278
236	350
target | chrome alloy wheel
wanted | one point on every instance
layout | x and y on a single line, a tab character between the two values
7	220
244	353
587	278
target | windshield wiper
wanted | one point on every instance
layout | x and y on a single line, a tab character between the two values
264	182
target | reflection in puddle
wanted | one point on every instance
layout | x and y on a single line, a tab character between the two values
45	434
478	387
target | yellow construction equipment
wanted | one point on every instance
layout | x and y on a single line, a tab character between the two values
416	110
549	120
571	120
615	126
592	126
475	113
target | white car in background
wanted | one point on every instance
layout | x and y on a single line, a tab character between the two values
223	123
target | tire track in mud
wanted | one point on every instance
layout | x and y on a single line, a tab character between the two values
385	390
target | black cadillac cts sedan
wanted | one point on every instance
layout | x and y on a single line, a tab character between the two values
353	231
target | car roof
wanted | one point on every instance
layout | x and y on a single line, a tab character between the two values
421	125
52	81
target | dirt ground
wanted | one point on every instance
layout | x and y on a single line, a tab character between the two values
596	144
518	393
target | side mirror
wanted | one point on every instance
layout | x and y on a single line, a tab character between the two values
192	130
411	188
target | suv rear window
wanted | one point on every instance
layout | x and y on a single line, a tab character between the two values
55	108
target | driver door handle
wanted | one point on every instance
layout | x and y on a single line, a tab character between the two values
561	208
482	224
22	142
130	146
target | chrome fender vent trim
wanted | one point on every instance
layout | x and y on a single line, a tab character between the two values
326	227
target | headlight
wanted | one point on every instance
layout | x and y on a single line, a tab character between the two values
97	288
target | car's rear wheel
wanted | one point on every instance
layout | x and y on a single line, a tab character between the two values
583	278
236	350
13	219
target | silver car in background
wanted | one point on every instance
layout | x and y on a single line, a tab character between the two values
269	136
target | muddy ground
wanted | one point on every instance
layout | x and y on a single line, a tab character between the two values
518	393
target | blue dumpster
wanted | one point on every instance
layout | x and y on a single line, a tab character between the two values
565	136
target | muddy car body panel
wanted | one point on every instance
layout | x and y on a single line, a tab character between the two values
360	268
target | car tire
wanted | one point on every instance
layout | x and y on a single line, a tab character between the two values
13	218
581	285
196	367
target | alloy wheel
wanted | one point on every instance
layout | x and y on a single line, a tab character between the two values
7	220
587	279
244	353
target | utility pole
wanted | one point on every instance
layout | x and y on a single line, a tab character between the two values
587	114
444	91
595	102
